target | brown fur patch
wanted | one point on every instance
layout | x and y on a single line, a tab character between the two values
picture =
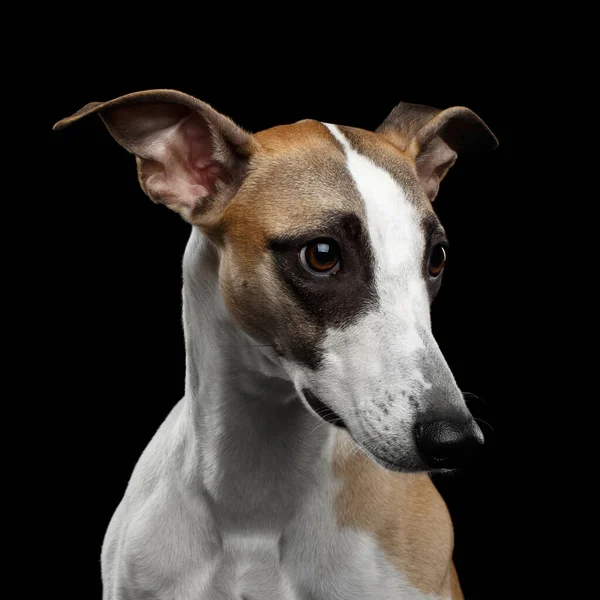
455	589
278	198
405	513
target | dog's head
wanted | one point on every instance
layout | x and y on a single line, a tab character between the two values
330	253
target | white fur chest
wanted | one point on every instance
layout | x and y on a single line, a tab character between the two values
176	552
168	541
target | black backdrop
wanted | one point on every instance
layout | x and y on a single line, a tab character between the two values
116	277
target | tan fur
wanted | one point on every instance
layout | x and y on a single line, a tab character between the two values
277	198
455	590
404	512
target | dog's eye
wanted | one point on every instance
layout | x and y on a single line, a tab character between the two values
321	256
437	260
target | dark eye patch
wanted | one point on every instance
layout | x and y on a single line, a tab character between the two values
340	299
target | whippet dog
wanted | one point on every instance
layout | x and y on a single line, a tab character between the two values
316	398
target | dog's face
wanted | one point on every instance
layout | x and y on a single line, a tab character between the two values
331	252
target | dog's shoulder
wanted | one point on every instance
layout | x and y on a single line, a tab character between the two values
154	533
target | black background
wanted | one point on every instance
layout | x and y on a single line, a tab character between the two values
115	283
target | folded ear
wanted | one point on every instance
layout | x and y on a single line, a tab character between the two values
433	137
189	156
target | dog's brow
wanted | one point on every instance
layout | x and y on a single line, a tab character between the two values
334	225
433	229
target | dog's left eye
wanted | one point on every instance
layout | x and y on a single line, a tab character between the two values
321	256
437	260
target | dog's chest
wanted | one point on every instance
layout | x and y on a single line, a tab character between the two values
183	554
350	530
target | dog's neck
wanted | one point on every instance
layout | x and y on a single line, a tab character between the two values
257	448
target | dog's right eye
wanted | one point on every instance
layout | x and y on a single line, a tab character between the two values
321	256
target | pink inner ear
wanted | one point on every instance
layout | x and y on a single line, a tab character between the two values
182	170
196	137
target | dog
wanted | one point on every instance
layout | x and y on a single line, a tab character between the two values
316	398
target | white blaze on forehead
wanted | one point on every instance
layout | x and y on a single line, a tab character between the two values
395	234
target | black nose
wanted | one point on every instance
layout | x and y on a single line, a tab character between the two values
448	444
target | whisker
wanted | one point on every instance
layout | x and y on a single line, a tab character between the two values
485	423
350	451
319	424
468	396
367	457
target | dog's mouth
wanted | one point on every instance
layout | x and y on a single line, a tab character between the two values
322	410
